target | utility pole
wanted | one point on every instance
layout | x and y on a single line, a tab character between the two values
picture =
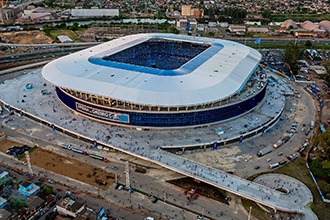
128	184
249	216
28	162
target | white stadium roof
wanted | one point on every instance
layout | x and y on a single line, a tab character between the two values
219	77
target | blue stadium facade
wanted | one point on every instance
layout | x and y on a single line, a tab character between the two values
157	59
160	119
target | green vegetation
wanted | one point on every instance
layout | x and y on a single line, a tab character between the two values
48	189
23	155
255	209
17	203
326	65
54	33
321	209
293	53
321	167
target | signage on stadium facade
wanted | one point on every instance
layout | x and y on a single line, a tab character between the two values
102	114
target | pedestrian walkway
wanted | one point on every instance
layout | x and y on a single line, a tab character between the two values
146	145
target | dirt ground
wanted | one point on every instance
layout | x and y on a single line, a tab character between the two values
25	37
59	164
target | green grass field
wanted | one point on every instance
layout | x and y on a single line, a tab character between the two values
69	33
296	169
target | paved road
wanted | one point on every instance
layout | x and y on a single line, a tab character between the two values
154	184
212	176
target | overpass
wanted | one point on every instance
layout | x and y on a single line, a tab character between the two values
239	186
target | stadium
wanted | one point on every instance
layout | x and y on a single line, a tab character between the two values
160	81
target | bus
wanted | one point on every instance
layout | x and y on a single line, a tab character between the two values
98	157
78	150
67	146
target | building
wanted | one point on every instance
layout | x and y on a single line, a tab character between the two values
236	29
186	10
258	30
3	203
69	207
35	202
319	70
5	215
94	12
148	81
4	177
187	23
9	14
64	39
42	16
189	12
28	189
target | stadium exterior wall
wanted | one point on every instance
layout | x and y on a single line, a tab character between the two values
160	119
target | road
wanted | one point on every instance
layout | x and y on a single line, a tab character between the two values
146	183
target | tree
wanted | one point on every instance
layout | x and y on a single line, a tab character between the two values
30	27
326	65
308	43
48	189
321	168
17	203
292	55
173	30
266	14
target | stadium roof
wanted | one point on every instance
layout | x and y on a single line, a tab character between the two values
222	75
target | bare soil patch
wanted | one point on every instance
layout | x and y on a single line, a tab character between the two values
5	144
66	166
201	188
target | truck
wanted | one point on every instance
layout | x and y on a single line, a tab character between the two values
265	151
312	125
274	165
278	144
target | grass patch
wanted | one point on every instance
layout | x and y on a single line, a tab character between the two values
297	169
23	155
54	33
256	210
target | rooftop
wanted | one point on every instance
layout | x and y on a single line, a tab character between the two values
223	73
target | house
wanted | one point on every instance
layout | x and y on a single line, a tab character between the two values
4	177
35	203
69	207
3	203
28	189
235	29
5	215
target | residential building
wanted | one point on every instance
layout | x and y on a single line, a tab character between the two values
28	189
3	203
5	215
69	207
4	177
